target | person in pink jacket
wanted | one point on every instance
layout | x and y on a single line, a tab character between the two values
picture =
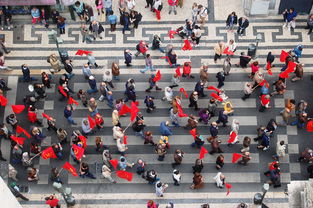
173	5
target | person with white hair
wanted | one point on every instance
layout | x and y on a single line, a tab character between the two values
219	180
168	94
107	77
117	132
235	125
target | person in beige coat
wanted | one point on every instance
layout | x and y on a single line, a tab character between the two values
121	146
117	132
219	49
204	74
106	173
115	118
54	62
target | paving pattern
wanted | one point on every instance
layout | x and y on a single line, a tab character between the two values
31	46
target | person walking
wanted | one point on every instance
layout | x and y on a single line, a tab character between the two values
54	62
152	84
245	158
220	76
298	72
280	150
197	181
310	24
172	6
193	100
197	168
106	173
215	145
84	171
68	114
226	66
176	177
219	162
156	44
149	65
178	157
218	50
290	18
219	180
128	57
231	21
203	13
160	188
92	84
107	78
165	129
222	118
248	89
142	47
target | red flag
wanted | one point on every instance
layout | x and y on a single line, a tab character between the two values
228	187
87	52
3	101
178	71
83	139
125	139
309	126
168	59
291	66
124	109
157	76
20	130
203	151
171	34
232	137
236	157
79	52
263	82
92	123
70	168
18	108
47	116
48	153
283	56
214	88
134	110
180	111
187	45
114	163
18	140
61	90
284	74
214	95
125	175
157	14
182	90
71	101
193	132
78	151
227	51
269	69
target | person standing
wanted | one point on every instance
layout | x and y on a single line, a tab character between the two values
298	72
219	180
79	8
176	177
290	18
226	66
126	21
108	7
35	13
68	114
172	6
199	88
218	49
149	65
280	150
197	181
106	173
215	145
165	129
92	84
61	24
84	171
243	23
141	47
245	158
310	24
160	188
231	21
128	57
203	13
156	44
54	62
112	21
97	29
197	168
99	6
220	76
219	162
193	100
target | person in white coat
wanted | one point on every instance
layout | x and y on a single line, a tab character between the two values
107	77
117	132
219	180
121	146
106	173
168	94
235	126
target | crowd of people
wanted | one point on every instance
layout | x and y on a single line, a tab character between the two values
215	116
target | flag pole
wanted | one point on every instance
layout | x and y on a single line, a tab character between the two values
35	156
60	172
127	127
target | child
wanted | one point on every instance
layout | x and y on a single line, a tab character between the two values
99	144
187	70
176	177
92	60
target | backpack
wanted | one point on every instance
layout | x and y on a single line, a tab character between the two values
139	17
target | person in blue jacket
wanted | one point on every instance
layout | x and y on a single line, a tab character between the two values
165	129
298	52
290	18
128	57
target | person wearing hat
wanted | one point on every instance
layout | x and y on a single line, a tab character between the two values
193	100
93	85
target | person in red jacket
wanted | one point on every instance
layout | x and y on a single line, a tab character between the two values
52	201
173	5
187	70
32	115
142	47
265	101
99	121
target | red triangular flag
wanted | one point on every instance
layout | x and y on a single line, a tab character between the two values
72	101
48	153
228	187
92	123
125	139
203	151
291	66
78	151
171	34
20	130
284	75
263	82
18	140
232	137
180	111
47	116
114	163
227	51
182	90
214	88
168	59
3	101
83	139
157	76
236	157
309	126
178	71
134	110
187	45
18	108
124	109
125	175
87	52
215	96
79	52
193	132
70	168
61	90
283	56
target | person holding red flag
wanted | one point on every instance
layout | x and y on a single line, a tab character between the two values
265	101
298	72
52	201
142	47
152	84
187	70
32	115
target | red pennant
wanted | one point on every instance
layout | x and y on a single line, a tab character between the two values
168	59
157	14
283	56
3	101
268	68
47	116
187	45
18	108
114	163
171	34
61	90
18	140
20	130
79	52
157	76
236	157
125	139
178	71
48	153
203	151
291	66
232	137
92	123
83	139
227	51
72	101
125	175
182	90
87	52
32	116
193	132
180	111
134	111
284	74
78	151
70	168
309	126
263	82
215	96
228	187
214	88
124	109
264	100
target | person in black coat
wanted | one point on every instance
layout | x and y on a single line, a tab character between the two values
149	103
200	88
193	99
222	118
197	168
214	129
270	58
128	57
231	21
220	78
135	18
156	43
69	68
130	94
243	23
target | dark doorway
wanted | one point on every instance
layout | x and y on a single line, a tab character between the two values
301	6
